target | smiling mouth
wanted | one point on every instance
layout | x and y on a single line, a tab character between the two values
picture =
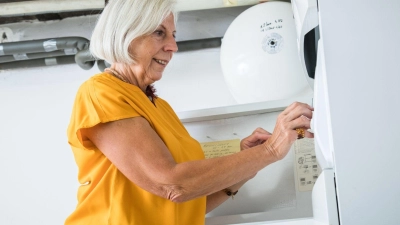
162	62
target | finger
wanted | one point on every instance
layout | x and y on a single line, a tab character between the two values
258	136
309	134
260	130
297	112
300	122
294	105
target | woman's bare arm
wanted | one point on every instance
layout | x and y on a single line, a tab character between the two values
140	154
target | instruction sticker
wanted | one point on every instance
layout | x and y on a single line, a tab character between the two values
305	163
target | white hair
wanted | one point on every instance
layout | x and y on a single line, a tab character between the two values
122	21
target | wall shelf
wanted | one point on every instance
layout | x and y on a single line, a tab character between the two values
239	110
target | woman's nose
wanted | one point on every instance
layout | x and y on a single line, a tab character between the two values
171	45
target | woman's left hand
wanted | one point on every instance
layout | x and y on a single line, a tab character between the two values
258	137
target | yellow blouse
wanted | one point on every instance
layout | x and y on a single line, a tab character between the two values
106	196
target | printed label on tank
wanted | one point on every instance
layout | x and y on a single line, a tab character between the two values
272	43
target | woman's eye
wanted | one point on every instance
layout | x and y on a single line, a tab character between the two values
159	32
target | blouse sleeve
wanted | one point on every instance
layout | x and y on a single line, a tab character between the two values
97	101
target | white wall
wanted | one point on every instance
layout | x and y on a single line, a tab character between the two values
38	172
37	166
38	181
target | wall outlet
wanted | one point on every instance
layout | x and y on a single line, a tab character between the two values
6	35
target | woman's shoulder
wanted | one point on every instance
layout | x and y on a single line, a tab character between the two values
94	79
105	81
100	78
97	85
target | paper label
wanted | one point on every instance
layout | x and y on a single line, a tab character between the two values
307	168
220	148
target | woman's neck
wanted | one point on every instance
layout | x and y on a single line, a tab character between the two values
130	75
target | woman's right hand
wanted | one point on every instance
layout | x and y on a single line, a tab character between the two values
297	115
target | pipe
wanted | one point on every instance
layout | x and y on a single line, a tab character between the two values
17	57
43	45
62	60
192	45
46	48
85	59
102	65
35	53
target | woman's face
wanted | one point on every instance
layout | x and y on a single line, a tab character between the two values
152	53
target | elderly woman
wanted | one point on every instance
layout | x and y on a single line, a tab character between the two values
137	163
